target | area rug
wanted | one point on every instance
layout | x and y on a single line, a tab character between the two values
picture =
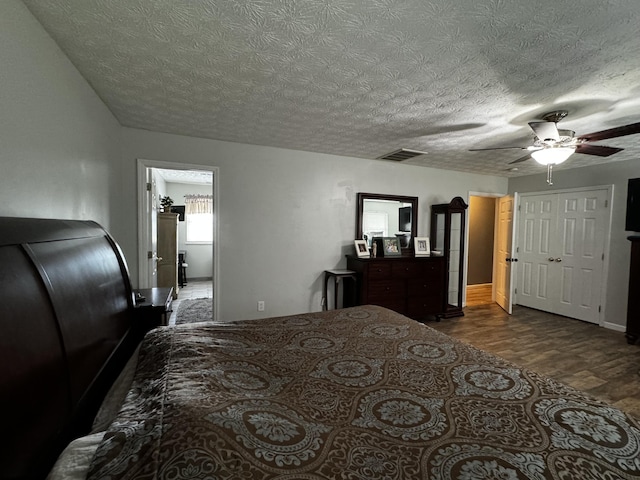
194	310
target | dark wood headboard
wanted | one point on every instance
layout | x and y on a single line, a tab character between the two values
66	329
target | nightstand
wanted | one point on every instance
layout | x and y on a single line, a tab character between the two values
155	309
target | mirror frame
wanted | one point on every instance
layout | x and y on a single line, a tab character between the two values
361	197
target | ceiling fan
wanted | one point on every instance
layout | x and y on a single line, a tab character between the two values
553	146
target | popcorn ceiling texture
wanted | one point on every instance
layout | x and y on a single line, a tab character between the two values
361	78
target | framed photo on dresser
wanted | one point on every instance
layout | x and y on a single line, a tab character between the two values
362	249
391	246
421	246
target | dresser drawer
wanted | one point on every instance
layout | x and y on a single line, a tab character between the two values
417	287
432	269
384	289
380	271
419	307
406	270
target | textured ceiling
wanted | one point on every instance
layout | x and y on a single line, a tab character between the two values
362	78
196	177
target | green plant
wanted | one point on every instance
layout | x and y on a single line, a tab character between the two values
166	203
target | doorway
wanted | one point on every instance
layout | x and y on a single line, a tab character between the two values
156	179
482	215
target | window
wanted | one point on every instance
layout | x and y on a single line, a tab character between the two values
199	218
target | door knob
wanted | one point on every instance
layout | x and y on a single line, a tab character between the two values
551	259
558	259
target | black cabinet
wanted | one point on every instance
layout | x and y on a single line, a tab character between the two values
633	305
447	235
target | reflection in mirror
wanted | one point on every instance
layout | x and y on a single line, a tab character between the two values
387	216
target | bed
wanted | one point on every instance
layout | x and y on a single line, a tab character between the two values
357	393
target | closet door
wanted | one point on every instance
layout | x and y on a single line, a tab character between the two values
582	226
561	255
536	238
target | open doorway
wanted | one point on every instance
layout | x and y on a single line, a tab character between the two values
197	264
492	218
482	215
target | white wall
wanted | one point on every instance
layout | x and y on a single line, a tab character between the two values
616	174
285	216
59	144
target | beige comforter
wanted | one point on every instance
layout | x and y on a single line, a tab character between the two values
361	393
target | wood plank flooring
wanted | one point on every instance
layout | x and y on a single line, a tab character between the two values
593	359
479	294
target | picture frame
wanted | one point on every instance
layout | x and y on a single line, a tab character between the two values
421	246
362	249
391	246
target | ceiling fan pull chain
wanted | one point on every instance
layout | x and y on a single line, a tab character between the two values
550	173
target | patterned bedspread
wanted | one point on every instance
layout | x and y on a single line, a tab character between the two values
360	393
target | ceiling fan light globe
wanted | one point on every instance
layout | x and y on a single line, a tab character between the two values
553	156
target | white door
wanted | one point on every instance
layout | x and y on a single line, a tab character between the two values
151	230
581	227
504	266
561	257
536	234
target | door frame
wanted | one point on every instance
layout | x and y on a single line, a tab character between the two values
495	196
512	239
607	237
143	235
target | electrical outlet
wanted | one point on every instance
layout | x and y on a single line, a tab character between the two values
261	305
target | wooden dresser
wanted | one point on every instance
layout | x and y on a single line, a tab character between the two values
413	286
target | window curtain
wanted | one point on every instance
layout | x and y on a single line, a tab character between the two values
198	204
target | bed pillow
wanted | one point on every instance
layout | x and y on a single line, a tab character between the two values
75	460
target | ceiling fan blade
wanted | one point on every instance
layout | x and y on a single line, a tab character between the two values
521	159
495	148
545	130
599	150
612	133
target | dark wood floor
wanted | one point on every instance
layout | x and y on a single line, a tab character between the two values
593	359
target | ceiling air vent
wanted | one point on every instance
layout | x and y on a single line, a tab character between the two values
401	155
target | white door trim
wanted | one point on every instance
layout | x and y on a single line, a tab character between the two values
142	165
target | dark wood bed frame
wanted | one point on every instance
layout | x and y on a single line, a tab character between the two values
68	326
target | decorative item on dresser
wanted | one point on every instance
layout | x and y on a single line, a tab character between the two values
447	235
633	305
413	286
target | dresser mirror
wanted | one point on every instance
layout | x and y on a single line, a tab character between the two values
381	215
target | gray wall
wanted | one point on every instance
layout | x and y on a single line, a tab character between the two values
616	174
285	216
59	144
